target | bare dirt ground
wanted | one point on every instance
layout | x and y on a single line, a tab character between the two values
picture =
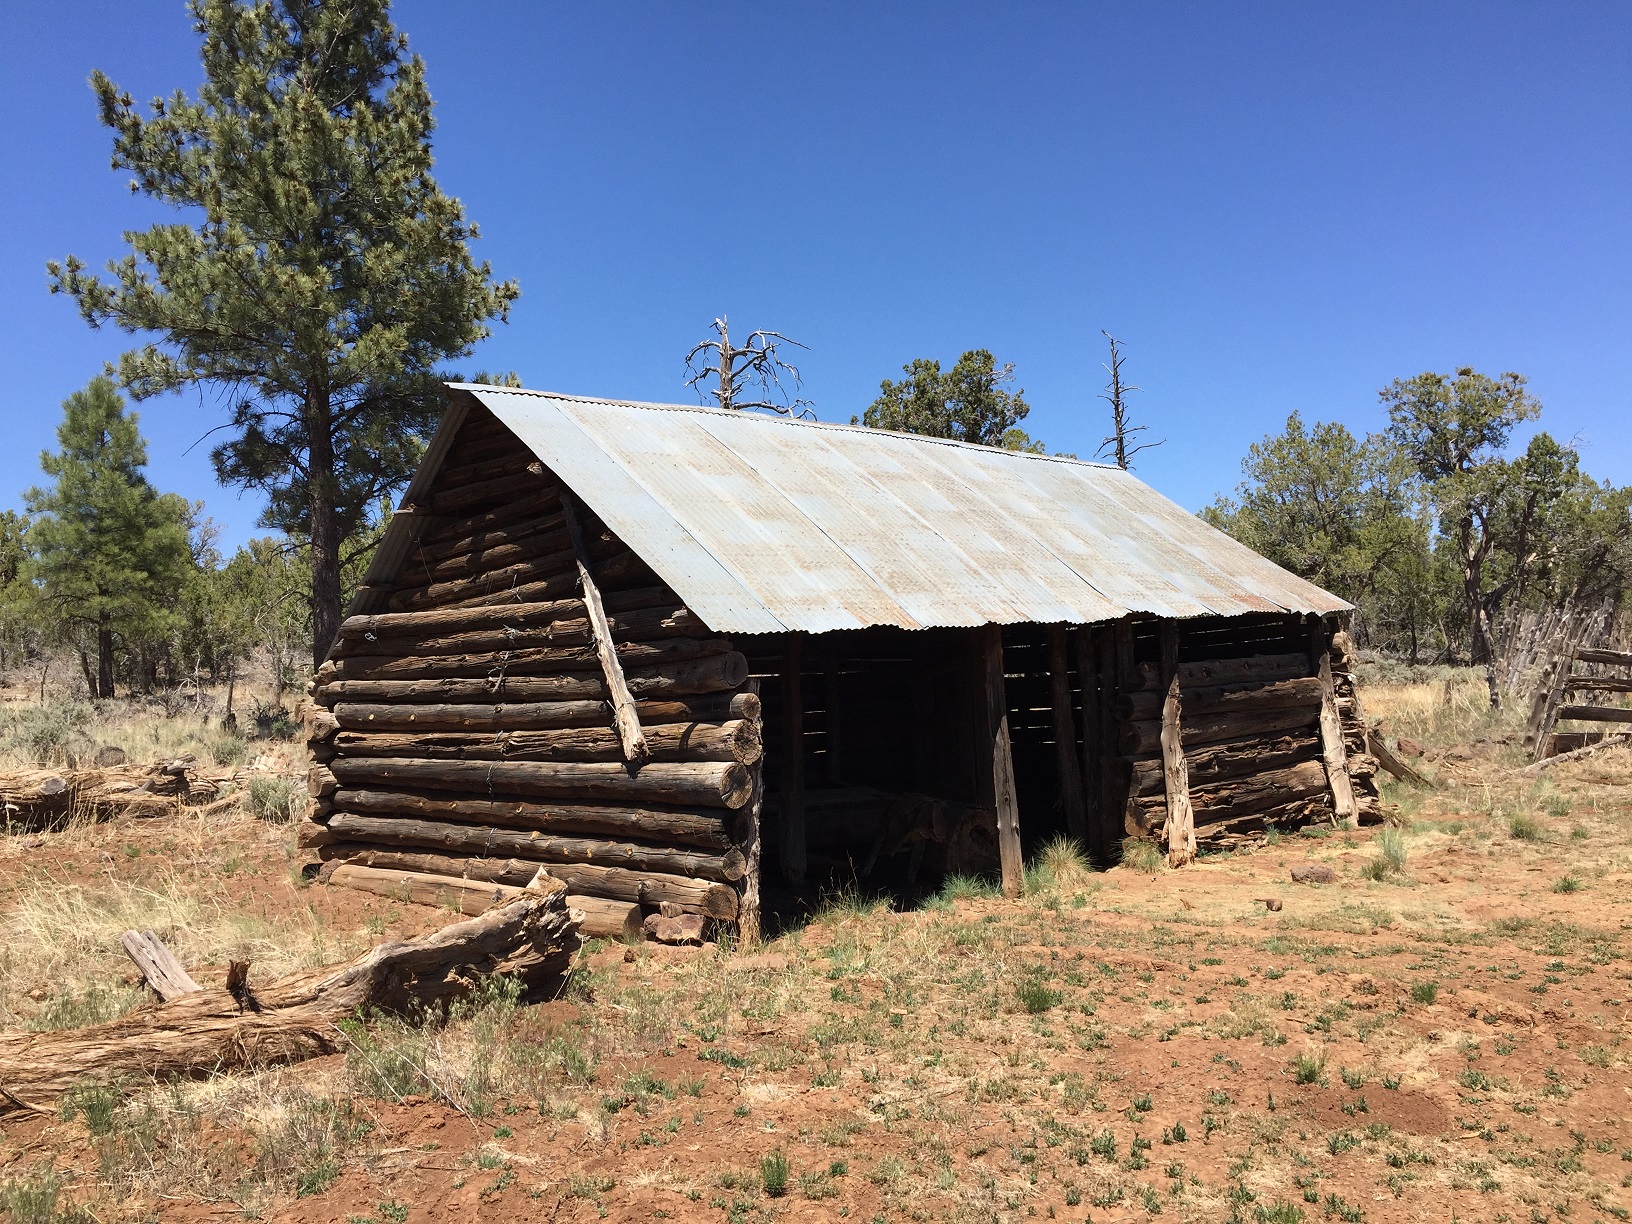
1438	1034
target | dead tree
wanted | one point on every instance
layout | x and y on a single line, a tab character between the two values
1118	443
757	363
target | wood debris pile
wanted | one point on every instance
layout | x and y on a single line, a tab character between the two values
48	799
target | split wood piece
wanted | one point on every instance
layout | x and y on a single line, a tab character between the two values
604	918
541	716
624	569
722	784
1241	695
487	841
1378	748
292	1018
444	892
321	782
612	883
792	857
701	827
1211	763
623	702
1065	736
1180	827
158	965
647	624
1146	815
1610	741
1599	684
1585	713
1614	658
693	679
454	501
1333	751
1146	735
1206	673
996	779
517	662
734	741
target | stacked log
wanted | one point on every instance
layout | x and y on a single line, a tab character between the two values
1250	733
465	728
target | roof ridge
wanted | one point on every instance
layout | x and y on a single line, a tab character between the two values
773	419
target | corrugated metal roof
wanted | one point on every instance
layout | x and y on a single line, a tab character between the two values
763	524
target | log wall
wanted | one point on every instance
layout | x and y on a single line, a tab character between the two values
466	725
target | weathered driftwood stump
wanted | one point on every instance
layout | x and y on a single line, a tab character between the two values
295	1017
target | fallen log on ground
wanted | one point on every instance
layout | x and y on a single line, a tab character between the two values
295	1017
1576	755
48	799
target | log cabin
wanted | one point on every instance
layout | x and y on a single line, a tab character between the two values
676	655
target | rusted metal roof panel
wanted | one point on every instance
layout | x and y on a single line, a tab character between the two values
762	524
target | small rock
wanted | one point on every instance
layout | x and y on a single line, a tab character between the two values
108	756
628	956
1313	873
1459	752
687	928
36	994
1408	747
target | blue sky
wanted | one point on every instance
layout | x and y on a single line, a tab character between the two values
1276	207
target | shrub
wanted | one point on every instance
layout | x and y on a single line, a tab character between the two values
1142	855
275	799
1524	826
1306	1068
44	732
228	749
273	721
1061	864
1425	993
965	888
1037	997
773	1174
1567	884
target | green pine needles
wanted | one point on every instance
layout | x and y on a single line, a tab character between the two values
326	274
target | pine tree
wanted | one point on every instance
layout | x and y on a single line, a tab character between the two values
327	277
110	553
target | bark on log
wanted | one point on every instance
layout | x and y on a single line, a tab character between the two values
291	1018
1242	695
693	896
646	624
702	827
689	678
517	662
1206	673
705	783
158	964
462	896
458	475
1226	800
523	532
519	615
734	741
1145	735
622	570
521	510
1600	684
1586	713
1615	658
454	501
487	841
1212	763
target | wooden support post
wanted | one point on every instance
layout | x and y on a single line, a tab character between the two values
1336	756
1544	706
998	780
749	930
623	703
793	760
1065	736
1181	818
1092	788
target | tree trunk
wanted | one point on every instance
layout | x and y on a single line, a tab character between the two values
1481	649
324	527
104	658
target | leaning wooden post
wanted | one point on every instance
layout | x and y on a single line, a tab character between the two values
623	704
1065	736
748	925
793	760
1001	773
1181	817
1332	749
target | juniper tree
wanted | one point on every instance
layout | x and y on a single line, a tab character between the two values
970	402
325	274
109	552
